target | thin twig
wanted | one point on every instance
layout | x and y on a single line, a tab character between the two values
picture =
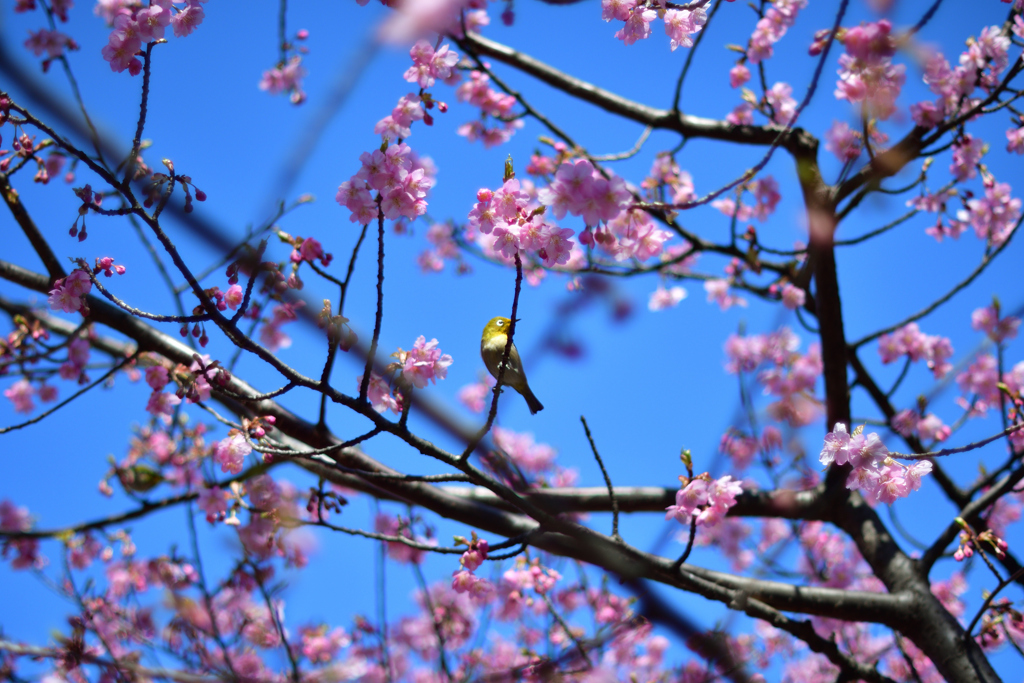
607	480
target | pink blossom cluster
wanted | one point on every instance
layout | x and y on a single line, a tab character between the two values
682	25
781	102
792	297
870	43
444	248
286	78
743	113
230	452
222	301
430	65
718	291
413	20
51	168
980	386
911	342
20	394
981	378
531	457
874	473
58	7
766	197
936	203
465	580
52	43
520	461
1007	510
663	298
739	74
85	549
829	558
379	394
134	25
980	66
987	56
729	536
265	494
780	15
233	298
321	646
265	535
948	591
26	550
678	259
994	216
759	647
843	141
78	357
474	396
514	223
271	334
1015	135
967	153
746	353
791	376
399	177
423	363
666	182
197	387
637	15
126	576
213	501
68	294
742	448
476	90
632	234
311	250
581	190
541	165
866	72
443	614
531	576
106	265
704	500
392	525
241	606
1003	623
398	124
909	422
969	541
998	329
160	403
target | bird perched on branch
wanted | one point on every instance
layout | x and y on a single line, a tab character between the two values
492	349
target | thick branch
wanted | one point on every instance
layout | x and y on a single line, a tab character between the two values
666	119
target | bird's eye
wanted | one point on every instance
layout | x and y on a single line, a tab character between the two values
500	323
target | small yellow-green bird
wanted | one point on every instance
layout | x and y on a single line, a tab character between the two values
492	348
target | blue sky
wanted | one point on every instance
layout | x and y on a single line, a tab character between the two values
648	385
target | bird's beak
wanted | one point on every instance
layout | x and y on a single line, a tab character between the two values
517	320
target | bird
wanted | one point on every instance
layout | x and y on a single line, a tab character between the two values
492	349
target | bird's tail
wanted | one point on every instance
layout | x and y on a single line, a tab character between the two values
532	402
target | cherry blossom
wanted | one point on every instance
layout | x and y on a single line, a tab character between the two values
20	394
909	341
663	298
286	78
424	363
430	65
230	453
704	500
